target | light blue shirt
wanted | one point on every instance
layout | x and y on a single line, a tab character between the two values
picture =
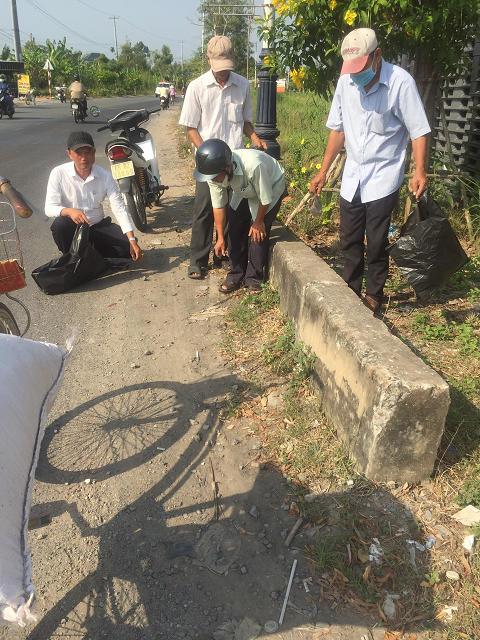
257	177
376	125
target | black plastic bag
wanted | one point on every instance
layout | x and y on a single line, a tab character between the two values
427	252
81	264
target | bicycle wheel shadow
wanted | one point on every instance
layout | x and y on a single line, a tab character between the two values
124	584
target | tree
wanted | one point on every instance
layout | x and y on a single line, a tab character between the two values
161	62
34	57
6	53
223	20
433	34
134	56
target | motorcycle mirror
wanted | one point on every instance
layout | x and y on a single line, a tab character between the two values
95	111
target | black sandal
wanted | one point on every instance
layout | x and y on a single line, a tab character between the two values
229	287
196	273
254	288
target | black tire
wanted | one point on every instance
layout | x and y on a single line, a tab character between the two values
75	116
135	206
7	322
10	114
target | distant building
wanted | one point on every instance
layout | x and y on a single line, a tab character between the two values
92	57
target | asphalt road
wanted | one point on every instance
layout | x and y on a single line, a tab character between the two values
31	144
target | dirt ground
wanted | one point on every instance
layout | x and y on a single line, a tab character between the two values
135	465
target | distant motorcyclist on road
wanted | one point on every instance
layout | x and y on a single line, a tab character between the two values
164	92
5	88
172	94
78	91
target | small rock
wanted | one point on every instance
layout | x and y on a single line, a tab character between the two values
452	575
206	427
88	481
197	437
243	569
204	287
311	497
427	515
148	353
134	365
254	512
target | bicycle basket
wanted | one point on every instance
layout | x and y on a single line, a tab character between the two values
12	272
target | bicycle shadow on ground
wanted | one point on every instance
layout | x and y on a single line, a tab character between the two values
129	588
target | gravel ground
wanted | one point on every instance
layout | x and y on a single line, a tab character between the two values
135	467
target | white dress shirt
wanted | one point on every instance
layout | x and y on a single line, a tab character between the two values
66	189
216	111
376	125
256	176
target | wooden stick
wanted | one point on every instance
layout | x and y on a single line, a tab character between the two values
292	533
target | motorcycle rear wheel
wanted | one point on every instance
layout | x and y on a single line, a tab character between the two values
75	116
7	322
10	114
135	206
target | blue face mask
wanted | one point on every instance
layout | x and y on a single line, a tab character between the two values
362	78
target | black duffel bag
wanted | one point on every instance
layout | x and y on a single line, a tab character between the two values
427	252
81	264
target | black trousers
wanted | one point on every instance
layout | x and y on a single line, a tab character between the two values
248	259
373	219
202	228
106	236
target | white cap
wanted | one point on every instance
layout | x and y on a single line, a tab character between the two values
356	47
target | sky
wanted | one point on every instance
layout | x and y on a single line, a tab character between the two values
89	27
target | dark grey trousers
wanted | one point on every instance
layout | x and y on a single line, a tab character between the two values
248	259
106	236
372	219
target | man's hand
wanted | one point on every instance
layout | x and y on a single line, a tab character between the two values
258	231
76	215
317	184
135	251
263	144
419	183
220	248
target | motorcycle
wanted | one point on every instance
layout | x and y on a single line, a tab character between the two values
61	95
133	162
6	109
164	102
78	111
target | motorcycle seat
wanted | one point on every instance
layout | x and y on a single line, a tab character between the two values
124	143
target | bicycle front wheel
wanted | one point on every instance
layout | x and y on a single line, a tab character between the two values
7	321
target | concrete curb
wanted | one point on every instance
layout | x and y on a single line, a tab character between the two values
386	404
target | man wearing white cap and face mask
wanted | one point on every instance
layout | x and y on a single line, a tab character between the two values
375	107
217	105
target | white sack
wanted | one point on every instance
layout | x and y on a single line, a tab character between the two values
30	377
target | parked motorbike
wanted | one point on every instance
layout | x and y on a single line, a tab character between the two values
6	109
164	102
78	110
133	162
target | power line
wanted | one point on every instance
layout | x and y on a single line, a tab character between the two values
49	15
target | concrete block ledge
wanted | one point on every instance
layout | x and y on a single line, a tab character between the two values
386	404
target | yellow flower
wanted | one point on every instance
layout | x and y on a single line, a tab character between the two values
308	185
304	169
299	21
247	146
302	141
350	17
302	73
318	166
292	184
311	165
332	4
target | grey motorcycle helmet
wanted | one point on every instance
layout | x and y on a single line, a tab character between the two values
213	156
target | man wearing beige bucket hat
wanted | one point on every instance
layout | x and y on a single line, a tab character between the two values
375	107
217	105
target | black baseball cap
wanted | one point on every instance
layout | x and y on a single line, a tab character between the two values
79	139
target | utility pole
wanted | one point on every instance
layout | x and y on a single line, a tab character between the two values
16	32
114	18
